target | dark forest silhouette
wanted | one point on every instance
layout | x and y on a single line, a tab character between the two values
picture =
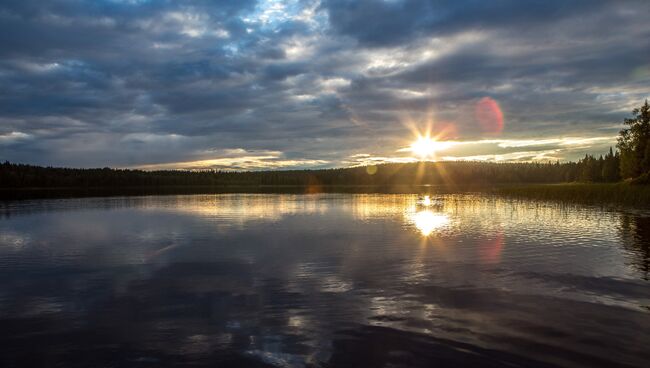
600	169
633	162
634	144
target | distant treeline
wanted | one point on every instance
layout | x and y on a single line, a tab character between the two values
602	169
633	162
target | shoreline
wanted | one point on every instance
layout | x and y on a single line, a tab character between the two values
637	196
80	192
617	194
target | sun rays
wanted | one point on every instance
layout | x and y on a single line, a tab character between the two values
425	147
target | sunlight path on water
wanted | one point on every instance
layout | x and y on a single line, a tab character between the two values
296	280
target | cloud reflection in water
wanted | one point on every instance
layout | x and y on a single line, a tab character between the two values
321	280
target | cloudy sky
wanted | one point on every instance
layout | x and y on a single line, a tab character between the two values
289	84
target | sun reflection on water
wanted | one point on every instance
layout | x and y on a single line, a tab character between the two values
427	221
426	213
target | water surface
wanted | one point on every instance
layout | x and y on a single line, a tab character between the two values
331	280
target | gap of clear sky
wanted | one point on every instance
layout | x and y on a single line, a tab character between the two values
309	84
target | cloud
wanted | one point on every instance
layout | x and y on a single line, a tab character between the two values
548	149
380	23
238	159
132	83
13	137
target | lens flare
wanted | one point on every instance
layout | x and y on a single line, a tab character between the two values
489	115
490	251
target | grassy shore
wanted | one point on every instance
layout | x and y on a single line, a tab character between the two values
589	193
623	194
75	192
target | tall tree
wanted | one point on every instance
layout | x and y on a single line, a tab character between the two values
610	171
634	143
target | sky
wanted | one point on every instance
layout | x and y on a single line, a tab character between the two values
249	85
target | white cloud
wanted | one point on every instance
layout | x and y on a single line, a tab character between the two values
13	137
548	149
237	159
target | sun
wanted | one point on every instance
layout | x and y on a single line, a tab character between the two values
424	147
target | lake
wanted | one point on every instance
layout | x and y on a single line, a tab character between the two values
331	280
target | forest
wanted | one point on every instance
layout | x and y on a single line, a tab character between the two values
601	169
630	161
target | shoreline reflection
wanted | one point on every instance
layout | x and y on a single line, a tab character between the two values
322	280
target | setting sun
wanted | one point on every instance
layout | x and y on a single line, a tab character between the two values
424	147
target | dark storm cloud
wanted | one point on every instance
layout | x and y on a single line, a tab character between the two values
127	83
379	23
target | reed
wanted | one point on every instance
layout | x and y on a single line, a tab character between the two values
590	193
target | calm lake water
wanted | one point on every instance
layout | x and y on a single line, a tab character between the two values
332	280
